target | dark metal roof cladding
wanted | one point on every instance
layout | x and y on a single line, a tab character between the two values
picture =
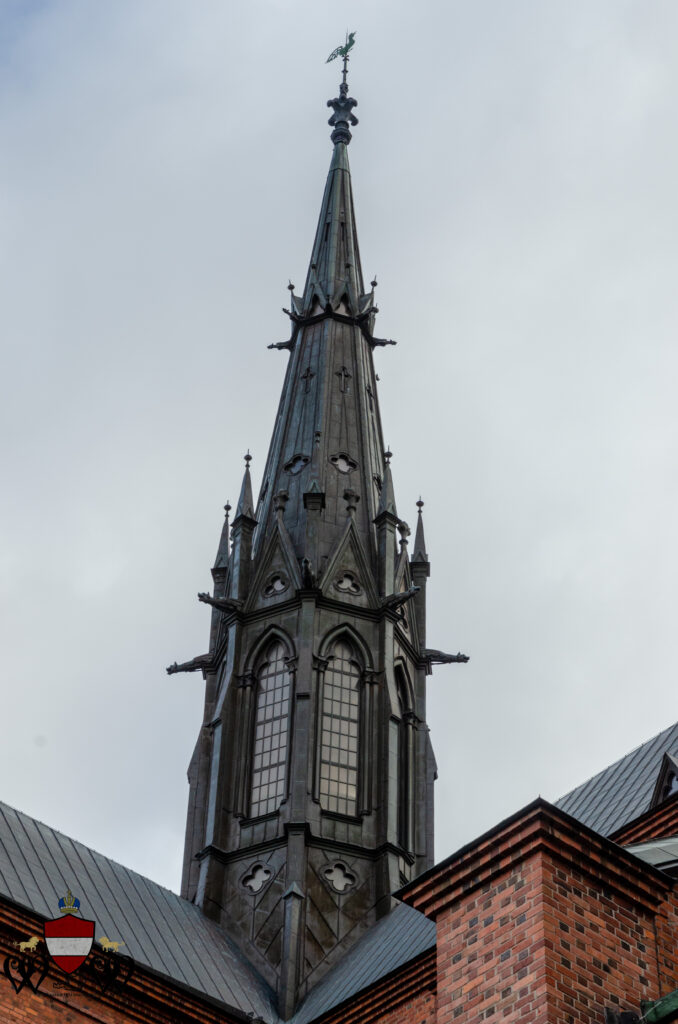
162	931
622	791
395	940
158	928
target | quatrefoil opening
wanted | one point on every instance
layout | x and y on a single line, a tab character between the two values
343	462
296	464
277	584
339	877
256	879
347	583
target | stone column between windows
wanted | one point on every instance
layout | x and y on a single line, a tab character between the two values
242	763
302	712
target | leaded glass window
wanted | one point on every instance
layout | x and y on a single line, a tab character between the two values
339	733
270	733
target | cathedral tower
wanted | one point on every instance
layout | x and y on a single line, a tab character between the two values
311	784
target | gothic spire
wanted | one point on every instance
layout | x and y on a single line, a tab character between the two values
387	496
246	501
221	561
328	432
419	553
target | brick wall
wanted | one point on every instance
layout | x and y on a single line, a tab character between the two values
542	920
491	951
660	822
600	947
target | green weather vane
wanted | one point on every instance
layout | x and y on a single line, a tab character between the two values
342	51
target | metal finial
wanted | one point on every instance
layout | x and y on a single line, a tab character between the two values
420	505
374	283
248	459
343	105
227	507
388	455
290	286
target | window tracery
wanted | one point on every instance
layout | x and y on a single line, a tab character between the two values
339	732
269	762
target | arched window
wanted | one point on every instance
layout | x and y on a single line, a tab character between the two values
404	760
269	764
339	732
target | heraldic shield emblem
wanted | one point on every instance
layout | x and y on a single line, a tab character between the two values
69	938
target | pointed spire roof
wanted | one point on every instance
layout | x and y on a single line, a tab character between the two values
419	553
335	272
246	501
387	495
222	559
328	439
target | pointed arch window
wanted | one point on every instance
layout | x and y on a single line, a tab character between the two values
404	758
269	760
339	732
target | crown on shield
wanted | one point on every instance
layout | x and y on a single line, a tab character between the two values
69	904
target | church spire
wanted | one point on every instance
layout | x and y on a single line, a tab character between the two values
246	501
334	275
312	779
419	553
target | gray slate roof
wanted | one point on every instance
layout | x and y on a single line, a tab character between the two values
621	792
159	929
171	936
393	941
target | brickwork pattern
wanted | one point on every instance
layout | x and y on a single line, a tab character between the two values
542	920
491	951
659	823
599	950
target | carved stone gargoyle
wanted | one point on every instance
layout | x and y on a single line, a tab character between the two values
224	604
394	601
380	342
440	658
205	661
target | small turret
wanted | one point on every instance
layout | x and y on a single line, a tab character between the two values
243	529
386	522
421	570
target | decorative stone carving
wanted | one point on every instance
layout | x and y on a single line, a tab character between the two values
339	877
343	462
256	879
345	377
347	583
296	464
277	584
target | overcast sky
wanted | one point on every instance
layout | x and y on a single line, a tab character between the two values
161	171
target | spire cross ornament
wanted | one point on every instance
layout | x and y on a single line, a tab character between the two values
345	375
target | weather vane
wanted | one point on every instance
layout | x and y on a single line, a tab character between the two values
343	51
343	115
